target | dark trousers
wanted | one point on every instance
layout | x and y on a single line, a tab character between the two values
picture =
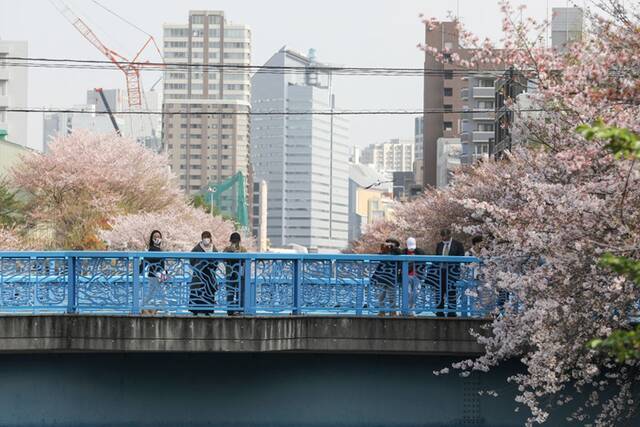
449	275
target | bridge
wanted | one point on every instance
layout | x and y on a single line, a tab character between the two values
177	283
121	339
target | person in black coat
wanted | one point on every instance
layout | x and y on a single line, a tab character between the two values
449	273
387	278
204	285
155	267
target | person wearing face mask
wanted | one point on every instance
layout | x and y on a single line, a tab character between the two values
202	291
151	289
416	272
234	270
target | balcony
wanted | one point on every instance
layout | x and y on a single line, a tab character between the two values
484	92
482	136
484	115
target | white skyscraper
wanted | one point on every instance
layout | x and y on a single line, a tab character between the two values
206	133
395	155
303	158
13	91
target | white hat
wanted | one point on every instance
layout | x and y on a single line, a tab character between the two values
411	243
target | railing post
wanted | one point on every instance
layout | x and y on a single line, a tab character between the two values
405	288
360	288
297	282
248	296
135	307
72	297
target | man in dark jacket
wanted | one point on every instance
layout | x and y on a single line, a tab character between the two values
204	285
449	273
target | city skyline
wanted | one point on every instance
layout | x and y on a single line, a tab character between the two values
353	41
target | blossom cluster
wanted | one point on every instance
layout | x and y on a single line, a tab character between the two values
548	211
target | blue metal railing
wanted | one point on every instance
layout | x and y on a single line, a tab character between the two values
240	283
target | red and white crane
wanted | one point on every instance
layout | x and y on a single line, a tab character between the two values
130	68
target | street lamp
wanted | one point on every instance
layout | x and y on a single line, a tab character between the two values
211	190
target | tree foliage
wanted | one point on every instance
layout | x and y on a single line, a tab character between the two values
87	184
549	212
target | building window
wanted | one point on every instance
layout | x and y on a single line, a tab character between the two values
485	83
3	115
448	74
487	105
448	91
448	125
197	19
176	32
234	33
214	19
486	127
448	107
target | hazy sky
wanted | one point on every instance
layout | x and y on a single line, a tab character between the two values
368	33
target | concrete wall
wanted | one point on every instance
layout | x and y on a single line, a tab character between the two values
90	333
178	389
243	387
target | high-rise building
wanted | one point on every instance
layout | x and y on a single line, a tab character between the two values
446	94
395	155
303	158
13	91
478	125
513	88
566	26
441	92
207	101
418	133
418	137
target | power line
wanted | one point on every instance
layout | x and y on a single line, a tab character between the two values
263	113
121	18
168	66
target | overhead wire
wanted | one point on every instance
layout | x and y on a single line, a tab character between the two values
263	113
177	66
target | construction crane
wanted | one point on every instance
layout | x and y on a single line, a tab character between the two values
130	68
108	108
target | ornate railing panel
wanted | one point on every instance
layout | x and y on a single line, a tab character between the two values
241	283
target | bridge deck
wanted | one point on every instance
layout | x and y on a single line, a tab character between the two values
337	334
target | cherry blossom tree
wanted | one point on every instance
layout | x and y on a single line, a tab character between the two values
180	226
85	179
549	211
